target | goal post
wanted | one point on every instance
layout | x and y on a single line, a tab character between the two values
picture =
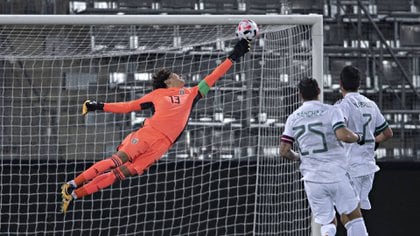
223	176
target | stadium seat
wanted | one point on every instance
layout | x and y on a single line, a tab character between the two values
409	35
263	6
134	4
177	5
220	5
387	6
307	6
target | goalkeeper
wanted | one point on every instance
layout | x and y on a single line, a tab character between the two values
171	104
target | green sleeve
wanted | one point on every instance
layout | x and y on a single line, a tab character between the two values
203	87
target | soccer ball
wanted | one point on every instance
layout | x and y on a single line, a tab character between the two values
247	29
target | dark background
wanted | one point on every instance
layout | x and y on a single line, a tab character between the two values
395	200
190	204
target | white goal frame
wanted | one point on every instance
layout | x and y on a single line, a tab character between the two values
314	20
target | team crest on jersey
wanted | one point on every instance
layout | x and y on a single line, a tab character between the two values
134	140
181	91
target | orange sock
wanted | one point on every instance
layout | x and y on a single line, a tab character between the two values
100	182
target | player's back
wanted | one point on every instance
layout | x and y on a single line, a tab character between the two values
322	155
363	117
172	110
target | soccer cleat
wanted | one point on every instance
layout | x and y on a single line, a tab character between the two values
66	190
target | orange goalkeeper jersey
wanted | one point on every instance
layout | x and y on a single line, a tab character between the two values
172	106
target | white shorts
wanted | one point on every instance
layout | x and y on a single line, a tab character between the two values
362	185
322	198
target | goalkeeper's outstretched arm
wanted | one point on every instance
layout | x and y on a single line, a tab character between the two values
241	47
91	105
118	107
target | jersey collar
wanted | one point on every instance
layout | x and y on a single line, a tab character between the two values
311	102
351	94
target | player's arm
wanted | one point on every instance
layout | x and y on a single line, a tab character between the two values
286	150
142	103
341	131
346	135
239	50
382	130
384	135
286	141
343	109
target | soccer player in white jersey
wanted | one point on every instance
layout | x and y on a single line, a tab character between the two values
318	130
362	116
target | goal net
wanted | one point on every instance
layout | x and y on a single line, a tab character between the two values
224	175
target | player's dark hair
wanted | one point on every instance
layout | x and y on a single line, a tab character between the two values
308	88
350	78
158	79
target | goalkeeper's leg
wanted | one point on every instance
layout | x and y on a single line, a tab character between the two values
99	182
137	166
100	167
105	180
95	170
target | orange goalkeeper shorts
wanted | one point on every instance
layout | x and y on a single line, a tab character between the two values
144	147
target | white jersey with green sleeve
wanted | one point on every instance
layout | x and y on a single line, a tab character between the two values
362	116
312	126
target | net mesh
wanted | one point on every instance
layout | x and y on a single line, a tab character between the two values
224	175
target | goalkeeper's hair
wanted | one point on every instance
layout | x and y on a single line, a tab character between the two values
309	89
158	79
350	78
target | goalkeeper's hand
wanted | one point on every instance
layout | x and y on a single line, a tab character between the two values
241	47
91	105
360	139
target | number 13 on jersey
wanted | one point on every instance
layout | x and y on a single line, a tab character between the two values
175	99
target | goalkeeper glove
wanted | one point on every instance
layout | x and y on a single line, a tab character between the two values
360	139
91	105
241	47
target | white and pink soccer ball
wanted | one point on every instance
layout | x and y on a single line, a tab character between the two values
247	29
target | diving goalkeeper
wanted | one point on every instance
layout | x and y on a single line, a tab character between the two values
171	104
